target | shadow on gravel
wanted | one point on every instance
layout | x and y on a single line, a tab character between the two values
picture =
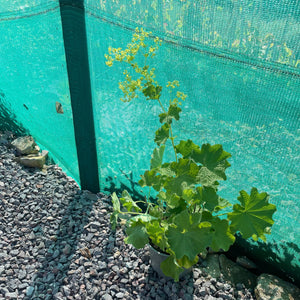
61	245
281	258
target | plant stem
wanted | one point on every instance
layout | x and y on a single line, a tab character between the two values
172	140
162	107
221	215
148	200
130	213
171	132
140	202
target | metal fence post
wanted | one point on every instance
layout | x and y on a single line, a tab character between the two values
76	50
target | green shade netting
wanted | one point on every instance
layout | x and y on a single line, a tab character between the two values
34	77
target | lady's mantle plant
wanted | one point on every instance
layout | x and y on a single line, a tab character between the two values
187	216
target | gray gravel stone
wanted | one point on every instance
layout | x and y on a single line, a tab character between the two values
58	240
29	291
107	297
119	295
102	265
12	295
22	274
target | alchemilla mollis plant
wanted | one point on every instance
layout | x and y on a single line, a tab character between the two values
188	215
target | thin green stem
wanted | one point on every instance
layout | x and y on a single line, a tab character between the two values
148	200
162	107
172	140
145	202
130	213
171	132
221	214
148	207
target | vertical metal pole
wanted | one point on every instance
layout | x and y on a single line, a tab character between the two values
76	50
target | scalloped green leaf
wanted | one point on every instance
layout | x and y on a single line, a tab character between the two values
171	199
214	161
152	92
144	218
148	179
253	216
188	237
162	134
170	268
222	203
157	157
137	234
163	118
187	263
207	178
209	197
157	234
166	170
128	203
173	113
206	196
156	211
222	238
186	148
186	176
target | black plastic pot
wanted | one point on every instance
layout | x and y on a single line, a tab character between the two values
156	258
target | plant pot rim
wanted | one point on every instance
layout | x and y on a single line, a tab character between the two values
157	250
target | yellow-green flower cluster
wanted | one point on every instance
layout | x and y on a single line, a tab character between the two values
138	45
141	45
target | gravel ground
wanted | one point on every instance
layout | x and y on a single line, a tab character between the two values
56	243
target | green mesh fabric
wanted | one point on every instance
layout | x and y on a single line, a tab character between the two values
238	62
34	77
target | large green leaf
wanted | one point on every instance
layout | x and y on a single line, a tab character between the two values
157	234
186	176
171	199
253	216
206	196
150	178
222	203
170	268
222	238
128	203
210	197
207	178
156	211
116	210
188	237
186	263
189	195
186	148
144	218
162	134
157	157
166	170
137	234
214	162
185	166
